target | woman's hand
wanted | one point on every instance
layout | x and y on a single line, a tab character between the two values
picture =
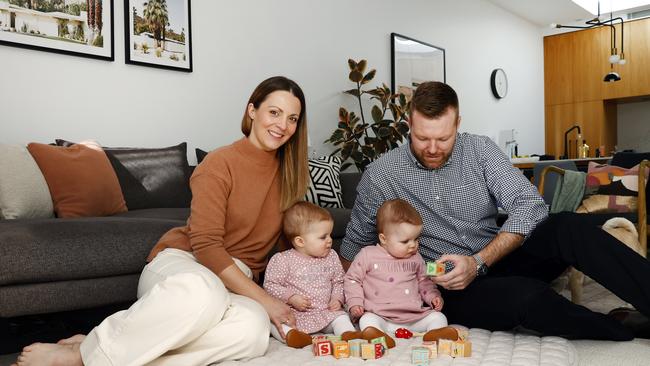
437	303
356	311
299	302
461	276
279	313
334	305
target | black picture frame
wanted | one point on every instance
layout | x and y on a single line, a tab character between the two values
176	52
61	31
407	52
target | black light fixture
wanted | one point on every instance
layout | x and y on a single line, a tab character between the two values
614	57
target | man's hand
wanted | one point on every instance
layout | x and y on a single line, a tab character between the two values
334	305
356	311
461	276
299	302
437	303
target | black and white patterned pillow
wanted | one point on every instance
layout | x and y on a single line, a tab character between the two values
324	182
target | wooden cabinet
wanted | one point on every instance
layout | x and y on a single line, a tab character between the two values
575	64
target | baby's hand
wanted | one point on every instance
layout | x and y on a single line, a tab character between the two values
437	303
299	302
334	305
356	311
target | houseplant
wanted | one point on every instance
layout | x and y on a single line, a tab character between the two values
364	142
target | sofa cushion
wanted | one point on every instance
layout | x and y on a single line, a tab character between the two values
610	188
324	182
23	189
200	155
43	250
80	179
180	214
150	177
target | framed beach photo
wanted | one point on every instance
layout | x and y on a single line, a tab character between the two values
413	62
158	33
74	27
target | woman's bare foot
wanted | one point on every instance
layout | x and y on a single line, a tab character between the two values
77	338
48	354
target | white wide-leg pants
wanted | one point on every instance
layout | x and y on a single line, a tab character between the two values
434	320
184	316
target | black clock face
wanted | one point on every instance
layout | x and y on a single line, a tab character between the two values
499	83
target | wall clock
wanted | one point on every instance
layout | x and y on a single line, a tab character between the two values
499	83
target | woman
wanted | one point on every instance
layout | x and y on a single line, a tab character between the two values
197	299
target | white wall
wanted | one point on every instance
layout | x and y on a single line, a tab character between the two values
237	44
634	126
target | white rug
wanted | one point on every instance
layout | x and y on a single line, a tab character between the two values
488	349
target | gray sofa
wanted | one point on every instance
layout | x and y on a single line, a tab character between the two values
54	265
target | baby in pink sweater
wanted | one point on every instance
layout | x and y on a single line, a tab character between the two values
386	285
309	277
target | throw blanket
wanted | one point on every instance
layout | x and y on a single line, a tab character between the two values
569	191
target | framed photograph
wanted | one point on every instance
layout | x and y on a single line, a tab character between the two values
158	33
413	62
73	27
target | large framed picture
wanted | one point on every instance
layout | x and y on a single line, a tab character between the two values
158	33
73	27
413	62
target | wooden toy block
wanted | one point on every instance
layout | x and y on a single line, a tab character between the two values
435	269
322	348
380	340
355	347
445	346
380	350
463	332
318	338
461	349
419	355
341	349
432	347
333	338
368	351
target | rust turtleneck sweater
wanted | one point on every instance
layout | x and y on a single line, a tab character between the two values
235	209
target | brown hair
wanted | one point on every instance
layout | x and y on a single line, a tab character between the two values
397	211
298	217
293	154
433	98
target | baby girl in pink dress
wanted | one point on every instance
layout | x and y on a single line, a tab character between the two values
309	277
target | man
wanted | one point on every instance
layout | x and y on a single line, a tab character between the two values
498	277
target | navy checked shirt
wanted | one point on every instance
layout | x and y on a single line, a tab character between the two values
457	201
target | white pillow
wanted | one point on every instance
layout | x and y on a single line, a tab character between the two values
324	182
23	190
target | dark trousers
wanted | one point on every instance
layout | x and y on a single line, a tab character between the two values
516	290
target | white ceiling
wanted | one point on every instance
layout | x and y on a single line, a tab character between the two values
545	12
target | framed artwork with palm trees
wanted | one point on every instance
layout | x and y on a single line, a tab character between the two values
158	33
73	27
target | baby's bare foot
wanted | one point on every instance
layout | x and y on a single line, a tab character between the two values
47	354
77	338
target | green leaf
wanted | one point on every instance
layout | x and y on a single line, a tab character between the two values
402	99
354	92
376	113
355	76
342	125
361	66
346	150
368	77
384	132
402	128
368	151
356	155
343	115
352	64
381	147
354	119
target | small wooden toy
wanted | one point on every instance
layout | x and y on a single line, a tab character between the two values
432	347
341	349
380	350
435	269
463	332
380	340
403	333
333	338
461	349
355	347
420	356
445	346
322	348
368	351
318	338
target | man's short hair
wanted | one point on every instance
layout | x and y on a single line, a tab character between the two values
397	211
433	98
298	217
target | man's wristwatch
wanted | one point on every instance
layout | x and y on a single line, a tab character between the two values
481	267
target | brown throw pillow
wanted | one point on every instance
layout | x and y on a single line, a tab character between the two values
81	180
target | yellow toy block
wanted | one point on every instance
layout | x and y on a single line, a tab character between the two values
463	332
432	347
355	347
461	349
368	351
445	346
341	349
435	269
